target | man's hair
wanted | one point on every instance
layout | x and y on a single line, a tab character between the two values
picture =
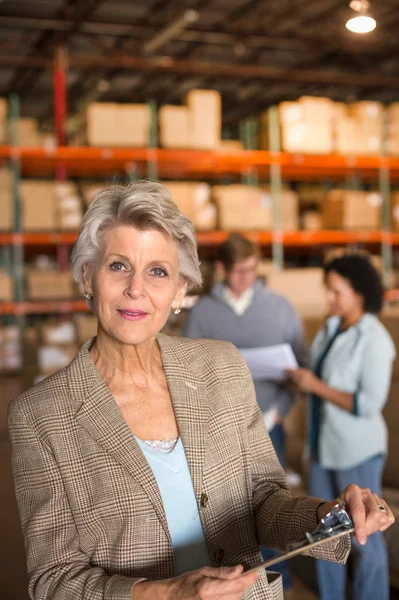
235	249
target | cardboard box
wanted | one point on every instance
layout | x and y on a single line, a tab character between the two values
231	145
358	128
38	205
303	287
55	357
393	129
90	189
57	332
205	119
194	200
3	121
28	133
6	201
307	125
6	287
174	126
48	284
68	206
288	208
312	221
86	327
123	125
243	207
136	122
350	209
395	211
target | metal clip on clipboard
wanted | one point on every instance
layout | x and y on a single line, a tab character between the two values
333	526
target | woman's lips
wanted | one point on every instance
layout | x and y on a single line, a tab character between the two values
132	315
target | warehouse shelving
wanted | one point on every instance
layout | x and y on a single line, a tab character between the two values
61	307
299	239
87	161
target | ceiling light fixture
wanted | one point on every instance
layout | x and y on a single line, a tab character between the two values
363	22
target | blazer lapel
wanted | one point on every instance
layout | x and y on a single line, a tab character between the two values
100	416
190	403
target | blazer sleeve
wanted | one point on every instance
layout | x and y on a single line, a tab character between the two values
279	517
57	568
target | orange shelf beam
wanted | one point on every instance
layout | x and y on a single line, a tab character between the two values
45	307
78	306
106	161
210	238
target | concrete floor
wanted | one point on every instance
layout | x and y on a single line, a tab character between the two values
13	578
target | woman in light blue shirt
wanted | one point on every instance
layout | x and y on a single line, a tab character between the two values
351	360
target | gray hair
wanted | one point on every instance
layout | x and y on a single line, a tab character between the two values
142	204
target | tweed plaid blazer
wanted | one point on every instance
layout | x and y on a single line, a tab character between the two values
91	511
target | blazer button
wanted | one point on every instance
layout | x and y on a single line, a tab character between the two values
219	556
203	500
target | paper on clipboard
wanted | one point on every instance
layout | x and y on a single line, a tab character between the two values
269	362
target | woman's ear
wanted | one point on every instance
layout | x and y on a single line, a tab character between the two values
87	279
181	292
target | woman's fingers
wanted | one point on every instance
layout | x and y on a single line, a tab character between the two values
225	582
368	511
353	498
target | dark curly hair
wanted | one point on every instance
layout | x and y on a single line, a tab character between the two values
358	270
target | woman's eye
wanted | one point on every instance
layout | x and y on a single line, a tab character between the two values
117	266
158	272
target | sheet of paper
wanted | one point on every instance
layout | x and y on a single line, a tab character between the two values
269	362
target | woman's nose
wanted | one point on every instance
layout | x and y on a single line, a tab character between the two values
135	287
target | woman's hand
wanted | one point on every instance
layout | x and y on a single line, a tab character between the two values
365	509
304	379
224	583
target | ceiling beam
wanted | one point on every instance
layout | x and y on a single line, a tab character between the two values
193	36
207	69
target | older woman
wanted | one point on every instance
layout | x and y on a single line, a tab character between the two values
144	469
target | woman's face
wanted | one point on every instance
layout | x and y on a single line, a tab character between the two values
242	275
135	283
342	298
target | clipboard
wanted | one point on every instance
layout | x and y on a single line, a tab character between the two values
334	525
291	553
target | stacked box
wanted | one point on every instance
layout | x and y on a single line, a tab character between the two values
174	126
3	121
194	200
231	145
395	211
303	287
307	125
86	327
349	209
48	284
358	128
312	221
6	287
123	125
289	207
68	206
38	205
205	119
393	129
243	207
90	189
10	349
6	200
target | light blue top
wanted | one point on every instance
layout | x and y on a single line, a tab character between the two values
360	363
175	485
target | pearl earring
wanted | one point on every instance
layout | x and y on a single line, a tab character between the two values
87	296
177	311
